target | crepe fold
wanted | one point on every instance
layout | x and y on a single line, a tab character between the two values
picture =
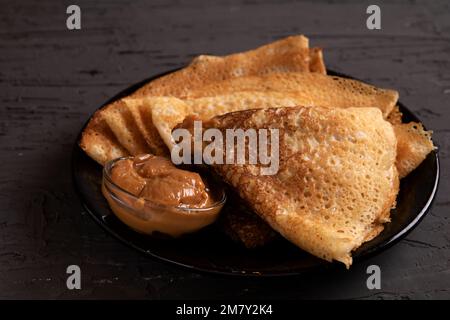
102	140
284	73
337	179
272	90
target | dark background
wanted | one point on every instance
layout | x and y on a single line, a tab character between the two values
52	79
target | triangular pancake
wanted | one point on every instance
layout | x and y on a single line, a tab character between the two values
121	121
337	179
413	145
288	54
167	112
99	142
313	88
273	90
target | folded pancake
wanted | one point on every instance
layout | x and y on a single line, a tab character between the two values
142	116
337	179
103	143
290	54
413	145
121	122
167	112
313	89
99	141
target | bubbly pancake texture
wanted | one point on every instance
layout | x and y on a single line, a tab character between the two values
337	179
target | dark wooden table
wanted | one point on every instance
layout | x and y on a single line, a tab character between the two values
52	79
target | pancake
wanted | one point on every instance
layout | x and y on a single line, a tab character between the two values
314	89
246	229
273	75
337	179
290	54
142	116
273	90
99	141
119	118
103	143
413	145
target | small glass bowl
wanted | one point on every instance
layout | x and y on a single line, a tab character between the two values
147	217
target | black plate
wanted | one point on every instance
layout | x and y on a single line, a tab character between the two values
211	251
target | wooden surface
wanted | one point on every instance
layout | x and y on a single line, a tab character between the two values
52	79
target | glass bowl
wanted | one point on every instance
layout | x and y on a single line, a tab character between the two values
145	216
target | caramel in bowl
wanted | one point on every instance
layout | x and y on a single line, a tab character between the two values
150	194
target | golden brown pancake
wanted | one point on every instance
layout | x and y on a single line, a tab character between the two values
122	124
273	90
413	145
313	89
337	179
290	54
285	55
130	126
167	112
99	142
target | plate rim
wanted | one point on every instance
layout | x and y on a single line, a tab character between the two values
377	249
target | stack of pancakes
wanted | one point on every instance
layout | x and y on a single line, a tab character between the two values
343	144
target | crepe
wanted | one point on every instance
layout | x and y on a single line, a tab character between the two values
99	141
337	179
103	142
245	228
142	117
273	90
413	145
312	88
167	112
286	55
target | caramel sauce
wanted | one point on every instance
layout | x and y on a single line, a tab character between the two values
161	194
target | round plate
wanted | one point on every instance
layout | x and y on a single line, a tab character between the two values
209	250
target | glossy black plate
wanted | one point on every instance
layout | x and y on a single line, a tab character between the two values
211	251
